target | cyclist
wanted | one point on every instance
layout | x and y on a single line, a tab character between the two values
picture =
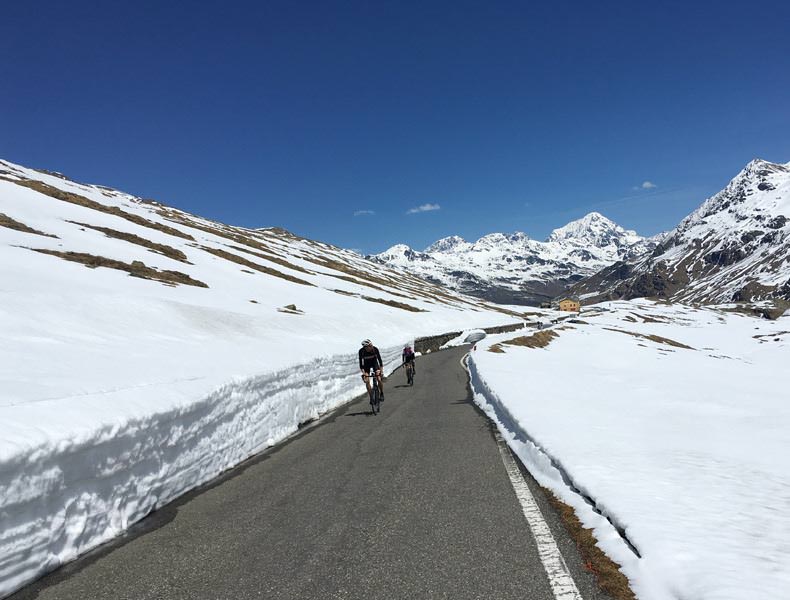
370	358
408	359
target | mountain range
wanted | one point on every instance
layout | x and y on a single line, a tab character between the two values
734	248
514	269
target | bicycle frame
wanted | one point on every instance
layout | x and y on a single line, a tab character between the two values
374	391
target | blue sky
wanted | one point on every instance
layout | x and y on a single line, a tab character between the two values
311	115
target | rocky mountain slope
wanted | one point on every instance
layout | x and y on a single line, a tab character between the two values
516	269
734	248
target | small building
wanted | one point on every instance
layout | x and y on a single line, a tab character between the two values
569	305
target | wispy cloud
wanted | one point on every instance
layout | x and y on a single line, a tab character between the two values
361	213
423	208
646	185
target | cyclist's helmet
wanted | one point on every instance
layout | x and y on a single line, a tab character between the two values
407	349
366	342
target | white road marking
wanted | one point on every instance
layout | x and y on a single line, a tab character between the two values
560	579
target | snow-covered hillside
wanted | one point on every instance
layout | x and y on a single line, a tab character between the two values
667	423
515	269
145	350
733	248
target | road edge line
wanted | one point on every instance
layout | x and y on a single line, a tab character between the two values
560	579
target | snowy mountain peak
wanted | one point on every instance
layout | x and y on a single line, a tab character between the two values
734	248
401	254
596	230
447	244
758	164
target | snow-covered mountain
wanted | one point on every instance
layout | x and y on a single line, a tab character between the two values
515	269
734	248
145	350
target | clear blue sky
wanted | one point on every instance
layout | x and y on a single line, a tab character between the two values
507	115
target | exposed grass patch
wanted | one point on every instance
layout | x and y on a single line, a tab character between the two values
394	304
505	311
162	249
72	198
336	265
275	259
6	221
251	265
222	231
607	572
344	292
653	338
366	284
648	319
53	174
136	268
630	319
540	339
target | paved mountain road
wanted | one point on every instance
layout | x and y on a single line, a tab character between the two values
412	503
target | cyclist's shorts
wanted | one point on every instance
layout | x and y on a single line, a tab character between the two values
370	364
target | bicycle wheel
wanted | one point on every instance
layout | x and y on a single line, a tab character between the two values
375	400
409	376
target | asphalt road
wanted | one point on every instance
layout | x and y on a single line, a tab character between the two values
412	503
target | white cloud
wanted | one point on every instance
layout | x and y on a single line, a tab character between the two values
360	213
423	208
648	185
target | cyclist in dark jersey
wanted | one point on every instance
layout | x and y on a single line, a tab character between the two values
370	358
408	356
408	361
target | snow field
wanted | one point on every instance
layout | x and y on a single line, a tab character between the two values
683	449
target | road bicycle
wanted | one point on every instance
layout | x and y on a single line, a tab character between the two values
374	392
410	372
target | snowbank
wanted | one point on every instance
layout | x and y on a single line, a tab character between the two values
65	496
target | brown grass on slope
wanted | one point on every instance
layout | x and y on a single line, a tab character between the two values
653	338
394	304
6	221
251	265
162	249
58	194
136	268
607	572
275	259
540	339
